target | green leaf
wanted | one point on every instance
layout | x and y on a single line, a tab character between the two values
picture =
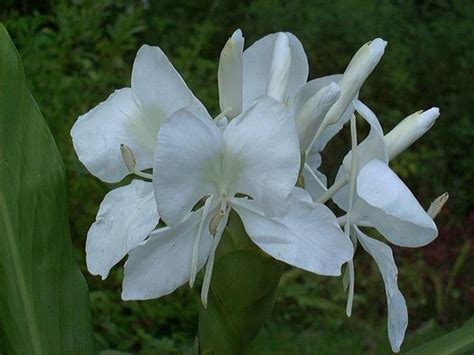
460	341
44	301
242	293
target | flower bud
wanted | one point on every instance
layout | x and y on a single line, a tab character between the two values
437	205
409	130
230	75
309	117
280	68
358	70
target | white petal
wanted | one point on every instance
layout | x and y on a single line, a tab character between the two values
372	147
159	89
163	262
257	63
308	237
397	308
310	89
262	156
230	75
308	119
391	207
187	163
97	136
280	68
126	216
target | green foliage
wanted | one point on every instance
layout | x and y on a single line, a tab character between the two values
44	304
76	52
242	294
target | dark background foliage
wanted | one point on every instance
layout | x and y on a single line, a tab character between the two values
77	52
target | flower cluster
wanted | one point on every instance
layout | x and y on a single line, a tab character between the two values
259	157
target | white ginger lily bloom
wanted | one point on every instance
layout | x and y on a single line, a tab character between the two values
376	197
275	65
256	155
118	137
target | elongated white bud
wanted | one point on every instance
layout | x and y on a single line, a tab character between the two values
230	75
128	157
280	68
409	130
437	205
360	67
310	116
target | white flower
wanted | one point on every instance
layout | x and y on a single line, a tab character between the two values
257	156
104	139
379	199
275	65
349	83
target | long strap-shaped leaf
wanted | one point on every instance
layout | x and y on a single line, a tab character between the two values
44	304
458	342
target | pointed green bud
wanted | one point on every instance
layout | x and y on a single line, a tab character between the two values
437	205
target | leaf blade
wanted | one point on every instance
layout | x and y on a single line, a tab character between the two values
44	305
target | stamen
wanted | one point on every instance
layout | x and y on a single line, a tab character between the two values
222	114
314	176
130	162
197	239
210	261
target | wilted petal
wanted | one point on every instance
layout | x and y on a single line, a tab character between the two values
97	136
257	61
159	89
126	216
308	237
262	156
391	207
163	262
397	308
187	162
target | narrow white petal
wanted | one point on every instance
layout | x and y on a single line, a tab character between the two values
257	62
308	237
163	262
391	207
97	136
230	75
262	157
126	216
277	87
159	89
187	163
397	308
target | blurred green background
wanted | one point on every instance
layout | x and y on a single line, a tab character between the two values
76	53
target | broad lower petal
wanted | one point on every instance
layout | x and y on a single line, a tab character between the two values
159	89
97	136
262	155
308	237
397	308
163	262
187	162
391	207
257	60
126	216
